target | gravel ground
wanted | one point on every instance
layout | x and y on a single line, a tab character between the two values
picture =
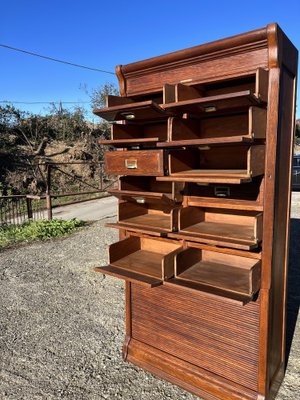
62	325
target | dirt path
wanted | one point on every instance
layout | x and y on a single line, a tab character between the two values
62	325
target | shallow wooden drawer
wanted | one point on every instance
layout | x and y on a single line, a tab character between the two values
204	99
229	228
124	108
137	134
136	162
154	218
222	274
217	164
143	260
246	196
242	127
147	190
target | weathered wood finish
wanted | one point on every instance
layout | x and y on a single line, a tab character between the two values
208	315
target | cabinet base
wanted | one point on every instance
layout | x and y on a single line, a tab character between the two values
198	381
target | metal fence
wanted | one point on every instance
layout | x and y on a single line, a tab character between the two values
20	208
16	209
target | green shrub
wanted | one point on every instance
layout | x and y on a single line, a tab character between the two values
37	230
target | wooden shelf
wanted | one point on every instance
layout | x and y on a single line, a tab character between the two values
182	99
210	292
248	196
200	179
219	271
216	164
238	128
224	203
140	259
157	216
129	276
147	190
137	134
138	111
230	228
128	142
143	230
228	101
241	139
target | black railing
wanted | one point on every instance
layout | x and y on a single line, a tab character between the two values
20	208
16	209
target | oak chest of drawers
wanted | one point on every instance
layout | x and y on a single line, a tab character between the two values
204	141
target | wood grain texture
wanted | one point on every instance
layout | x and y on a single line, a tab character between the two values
172	322
136	162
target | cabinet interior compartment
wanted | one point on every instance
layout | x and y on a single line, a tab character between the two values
142	259
219	96
156	218
231	164
219	273
231	228
137	134
135	162
246	196
242	127
148	190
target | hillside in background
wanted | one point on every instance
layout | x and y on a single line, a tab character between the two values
28	142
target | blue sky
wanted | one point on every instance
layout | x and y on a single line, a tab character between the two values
103	34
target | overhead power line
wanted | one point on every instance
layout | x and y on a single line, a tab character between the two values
56	59
43	102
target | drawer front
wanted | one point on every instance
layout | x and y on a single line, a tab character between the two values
146	163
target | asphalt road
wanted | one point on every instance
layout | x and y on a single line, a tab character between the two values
92	210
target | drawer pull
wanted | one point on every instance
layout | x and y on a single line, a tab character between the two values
128	115
140	200
131	163
209	109
221	191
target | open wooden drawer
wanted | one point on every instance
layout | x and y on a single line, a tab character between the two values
203	99
148	190
137	134
124	108
135	162
229	228
148	261
155	218
218	164
246	196
241	127
228	275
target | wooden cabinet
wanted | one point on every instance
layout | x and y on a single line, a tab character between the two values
203	141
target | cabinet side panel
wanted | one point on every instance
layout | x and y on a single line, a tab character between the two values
281	221
216	335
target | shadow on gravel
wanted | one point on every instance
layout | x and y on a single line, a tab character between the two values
293	297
